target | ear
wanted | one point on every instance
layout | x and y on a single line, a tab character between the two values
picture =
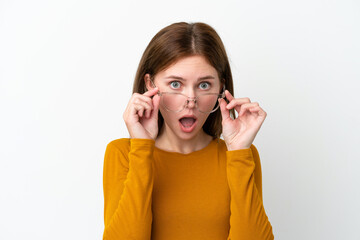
148	83
222	85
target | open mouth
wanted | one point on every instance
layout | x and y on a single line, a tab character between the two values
187	122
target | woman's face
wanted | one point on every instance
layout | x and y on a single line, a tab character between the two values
190	76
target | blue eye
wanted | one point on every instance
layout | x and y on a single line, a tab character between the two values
205	85
175	84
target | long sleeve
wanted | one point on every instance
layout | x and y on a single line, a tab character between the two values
128	183
248	220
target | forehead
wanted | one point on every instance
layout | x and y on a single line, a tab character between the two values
193	67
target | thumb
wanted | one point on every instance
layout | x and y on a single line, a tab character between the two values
225	113
156	103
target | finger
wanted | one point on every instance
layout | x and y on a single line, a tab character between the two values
137	110
151	92
228	95
237	104
147	113
237	101
141	107
230	98
225	113
259	111
146	104
141	112
246	106
138	98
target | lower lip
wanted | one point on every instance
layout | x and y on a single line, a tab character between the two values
190	129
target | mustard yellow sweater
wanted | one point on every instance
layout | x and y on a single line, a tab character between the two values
210	194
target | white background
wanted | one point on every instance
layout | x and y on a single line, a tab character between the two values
66	70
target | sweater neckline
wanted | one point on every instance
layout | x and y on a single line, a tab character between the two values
200	151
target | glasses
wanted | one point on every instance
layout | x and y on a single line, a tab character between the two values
176	102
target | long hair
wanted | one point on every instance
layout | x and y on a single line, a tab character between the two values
180	40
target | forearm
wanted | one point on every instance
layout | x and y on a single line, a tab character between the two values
248	219
133	216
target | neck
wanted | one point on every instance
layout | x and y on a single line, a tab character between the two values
168	141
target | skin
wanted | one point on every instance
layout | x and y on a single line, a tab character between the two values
141	114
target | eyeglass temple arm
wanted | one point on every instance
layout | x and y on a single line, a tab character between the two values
151	80
223	90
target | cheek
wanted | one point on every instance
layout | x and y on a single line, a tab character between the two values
204	117
168	116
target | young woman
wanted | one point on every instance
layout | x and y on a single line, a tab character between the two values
174	178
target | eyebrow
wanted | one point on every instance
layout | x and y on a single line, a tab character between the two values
199	79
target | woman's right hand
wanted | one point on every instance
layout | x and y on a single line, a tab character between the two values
141	115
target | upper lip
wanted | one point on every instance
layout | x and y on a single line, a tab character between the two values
188	116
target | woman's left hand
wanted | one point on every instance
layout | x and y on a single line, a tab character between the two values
239	133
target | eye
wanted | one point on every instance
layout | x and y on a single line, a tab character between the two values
175	84
205	85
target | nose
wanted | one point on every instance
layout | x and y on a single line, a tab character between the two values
191	103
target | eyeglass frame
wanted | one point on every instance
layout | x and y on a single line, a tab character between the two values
221	95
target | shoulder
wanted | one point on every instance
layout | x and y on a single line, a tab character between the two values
121	144
117	152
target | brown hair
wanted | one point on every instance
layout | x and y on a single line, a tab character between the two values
180	40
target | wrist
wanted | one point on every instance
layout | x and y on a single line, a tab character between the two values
238	147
